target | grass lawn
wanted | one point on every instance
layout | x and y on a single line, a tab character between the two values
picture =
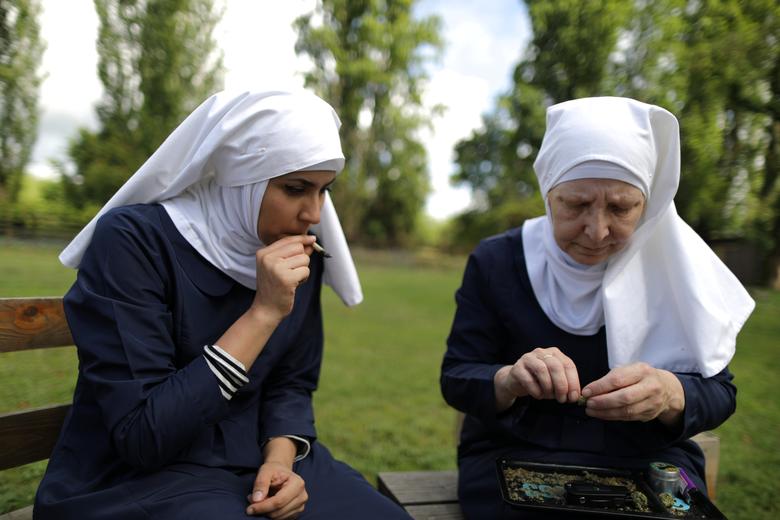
378	406
750	439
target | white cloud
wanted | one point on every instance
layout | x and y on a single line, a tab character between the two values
259	42
483	43
465	98
70	87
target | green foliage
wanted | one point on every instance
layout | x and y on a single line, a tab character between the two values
21	49
728	47
720	74
492	162
368	63
42	212
572	42
472	226
714	64
566	58
157	61
430	232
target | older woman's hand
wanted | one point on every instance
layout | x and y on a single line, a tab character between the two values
636	392
543	373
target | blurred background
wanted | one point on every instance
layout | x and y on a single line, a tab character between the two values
442	104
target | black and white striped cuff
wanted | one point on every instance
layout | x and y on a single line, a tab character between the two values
230	372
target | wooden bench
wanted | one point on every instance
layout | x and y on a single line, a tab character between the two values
426	495
29	435
433	495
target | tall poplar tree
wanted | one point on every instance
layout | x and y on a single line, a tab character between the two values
369	57
157	60
21	49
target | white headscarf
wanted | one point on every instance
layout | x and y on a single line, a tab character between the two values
666	298
211	173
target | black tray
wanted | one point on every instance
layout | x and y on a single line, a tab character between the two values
550	498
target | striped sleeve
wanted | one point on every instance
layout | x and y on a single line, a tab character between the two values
230	372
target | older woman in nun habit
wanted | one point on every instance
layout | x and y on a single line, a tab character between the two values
610	296
196	314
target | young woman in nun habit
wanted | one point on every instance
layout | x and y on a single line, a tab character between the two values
610	296
196	314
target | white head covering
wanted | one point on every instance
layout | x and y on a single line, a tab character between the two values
666	298
211	173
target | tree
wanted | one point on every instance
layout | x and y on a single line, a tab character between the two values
368	63
720	76
21	50
753	132
157	61
717	67
714	64
568	57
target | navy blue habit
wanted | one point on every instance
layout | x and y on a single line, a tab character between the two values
497	320
150	435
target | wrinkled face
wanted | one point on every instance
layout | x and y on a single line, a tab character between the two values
594	218
292	204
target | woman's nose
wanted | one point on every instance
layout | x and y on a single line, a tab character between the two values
597	227
311	210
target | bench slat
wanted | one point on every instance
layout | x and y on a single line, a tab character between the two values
31	323
434	512
419	487
30	436
25	513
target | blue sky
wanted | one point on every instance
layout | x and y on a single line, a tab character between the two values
484	42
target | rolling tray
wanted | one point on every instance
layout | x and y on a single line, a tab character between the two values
543	487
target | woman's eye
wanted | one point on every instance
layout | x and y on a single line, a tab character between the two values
294	190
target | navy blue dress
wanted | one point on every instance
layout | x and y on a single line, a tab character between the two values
150	435
497	320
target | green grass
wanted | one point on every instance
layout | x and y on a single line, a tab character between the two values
378	406
750	439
